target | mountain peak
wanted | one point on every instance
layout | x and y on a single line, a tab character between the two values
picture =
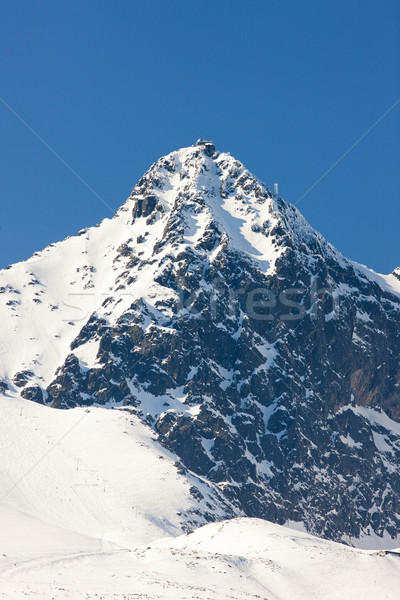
196	190
203	190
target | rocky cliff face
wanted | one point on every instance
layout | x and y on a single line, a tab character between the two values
267	362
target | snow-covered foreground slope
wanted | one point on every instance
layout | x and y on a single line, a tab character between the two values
98	473
241	559
92	506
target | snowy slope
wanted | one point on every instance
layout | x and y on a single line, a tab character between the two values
242	559
87	494
98	473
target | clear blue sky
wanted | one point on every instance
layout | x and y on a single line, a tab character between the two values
285	86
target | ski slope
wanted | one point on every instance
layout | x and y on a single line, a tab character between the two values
241	559
92	507
97	472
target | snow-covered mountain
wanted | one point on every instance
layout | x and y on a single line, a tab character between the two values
260	358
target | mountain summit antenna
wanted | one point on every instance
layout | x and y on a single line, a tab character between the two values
276	189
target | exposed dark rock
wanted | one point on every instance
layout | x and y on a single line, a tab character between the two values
22	378
34	393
